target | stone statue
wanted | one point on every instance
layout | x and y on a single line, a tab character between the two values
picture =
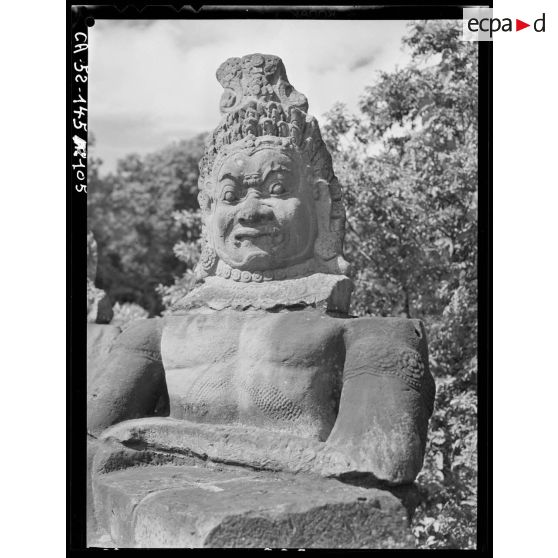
259	380
99	306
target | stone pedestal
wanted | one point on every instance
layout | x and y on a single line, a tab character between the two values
226	507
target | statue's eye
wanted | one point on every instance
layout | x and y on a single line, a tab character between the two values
230	196
277	189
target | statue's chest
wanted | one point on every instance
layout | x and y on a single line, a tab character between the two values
291	338
250	367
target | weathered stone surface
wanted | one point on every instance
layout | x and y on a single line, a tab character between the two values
387	398
94	533
192	507
331	293
284	372
125	374
99	305
280	371
100	339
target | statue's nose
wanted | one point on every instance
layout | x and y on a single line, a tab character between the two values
252	212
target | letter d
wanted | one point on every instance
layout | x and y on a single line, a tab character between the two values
541	30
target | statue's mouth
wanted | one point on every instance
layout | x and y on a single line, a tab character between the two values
248	233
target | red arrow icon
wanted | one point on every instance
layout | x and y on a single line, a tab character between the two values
519	25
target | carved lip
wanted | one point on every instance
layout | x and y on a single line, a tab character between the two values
248	232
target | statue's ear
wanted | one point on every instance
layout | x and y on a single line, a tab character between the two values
204	199
320	189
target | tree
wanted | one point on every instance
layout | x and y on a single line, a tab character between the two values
408	164
188	251
132	215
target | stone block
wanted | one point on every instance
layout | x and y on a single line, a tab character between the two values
204	507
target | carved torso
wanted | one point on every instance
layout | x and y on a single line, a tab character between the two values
275	370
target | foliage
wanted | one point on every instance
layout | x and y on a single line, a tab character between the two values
187	251
126	313
408	163
132	215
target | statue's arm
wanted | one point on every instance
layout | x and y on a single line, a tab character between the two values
126	378
386	400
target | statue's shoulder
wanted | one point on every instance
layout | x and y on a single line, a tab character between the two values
386	332
141	336
395	331
105	342
391	347
101	335
100	339
128	382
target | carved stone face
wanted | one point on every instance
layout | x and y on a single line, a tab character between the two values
264	215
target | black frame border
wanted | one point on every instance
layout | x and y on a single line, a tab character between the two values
79	18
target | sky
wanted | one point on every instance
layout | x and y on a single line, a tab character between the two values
153	82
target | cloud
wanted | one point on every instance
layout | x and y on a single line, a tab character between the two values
117	135
150	82
362	61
